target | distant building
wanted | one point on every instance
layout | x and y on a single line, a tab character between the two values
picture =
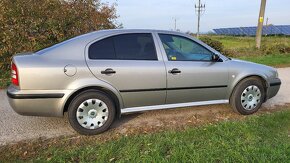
251	31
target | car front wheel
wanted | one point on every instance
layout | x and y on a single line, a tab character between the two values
91	112
248	96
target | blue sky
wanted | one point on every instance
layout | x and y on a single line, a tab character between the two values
160	14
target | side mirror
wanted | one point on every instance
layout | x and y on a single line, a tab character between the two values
215	58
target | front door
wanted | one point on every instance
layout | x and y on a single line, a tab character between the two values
129	62
191	74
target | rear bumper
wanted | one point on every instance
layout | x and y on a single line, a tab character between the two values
274	86
37	102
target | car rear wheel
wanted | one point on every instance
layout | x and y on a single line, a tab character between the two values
248	96
91	112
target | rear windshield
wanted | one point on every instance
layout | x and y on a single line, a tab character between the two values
44	50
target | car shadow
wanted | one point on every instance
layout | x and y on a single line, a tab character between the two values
124	119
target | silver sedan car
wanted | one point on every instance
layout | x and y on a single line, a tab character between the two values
98	76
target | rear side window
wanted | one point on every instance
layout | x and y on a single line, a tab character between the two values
124	47
103	49
135	47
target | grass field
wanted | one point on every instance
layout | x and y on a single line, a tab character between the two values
264	138
275	51
279	60
231	42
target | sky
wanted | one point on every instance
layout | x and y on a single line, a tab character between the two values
160	14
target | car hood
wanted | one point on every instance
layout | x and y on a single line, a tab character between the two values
247	63
267	71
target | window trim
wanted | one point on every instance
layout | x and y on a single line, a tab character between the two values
176	35
118	59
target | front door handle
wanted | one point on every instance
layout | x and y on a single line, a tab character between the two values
174	71
108	71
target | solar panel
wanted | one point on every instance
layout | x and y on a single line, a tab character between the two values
218	31
271	30
285	29
251	31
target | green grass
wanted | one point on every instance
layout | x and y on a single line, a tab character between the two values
264	138
231	42
275	50
279	60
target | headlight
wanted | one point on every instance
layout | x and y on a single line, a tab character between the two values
276	75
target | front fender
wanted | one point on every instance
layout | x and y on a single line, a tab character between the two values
239	70
235	79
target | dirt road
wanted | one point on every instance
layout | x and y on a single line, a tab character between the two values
14	127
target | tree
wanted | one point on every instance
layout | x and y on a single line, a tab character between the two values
34	24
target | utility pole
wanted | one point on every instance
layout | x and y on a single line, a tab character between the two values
260	24
266	25
199	9
175	26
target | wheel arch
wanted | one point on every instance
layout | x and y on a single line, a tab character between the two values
117	101
260	77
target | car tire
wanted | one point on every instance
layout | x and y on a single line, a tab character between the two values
248	96
91	112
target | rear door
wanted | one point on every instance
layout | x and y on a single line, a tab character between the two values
191	74
130	63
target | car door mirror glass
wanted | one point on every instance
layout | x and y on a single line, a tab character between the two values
215	58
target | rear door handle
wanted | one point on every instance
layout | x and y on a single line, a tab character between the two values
108	71
174	71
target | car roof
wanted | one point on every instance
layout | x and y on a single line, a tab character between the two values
107	32
84	39
78	42
76	45
137	31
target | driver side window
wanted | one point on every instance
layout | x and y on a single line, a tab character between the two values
180	48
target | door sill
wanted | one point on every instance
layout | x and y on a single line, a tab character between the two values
169	106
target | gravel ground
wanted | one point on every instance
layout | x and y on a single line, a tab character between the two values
15	128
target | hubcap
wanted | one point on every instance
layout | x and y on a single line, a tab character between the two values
92	113
251	97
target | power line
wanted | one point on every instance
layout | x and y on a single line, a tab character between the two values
199	9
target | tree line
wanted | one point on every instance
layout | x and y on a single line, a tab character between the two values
31	25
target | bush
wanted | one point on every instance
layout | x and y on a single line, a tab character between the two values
4	79
278	48
217	45
230	52
34	24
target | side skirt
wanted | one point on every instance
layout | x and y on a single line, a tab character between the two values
169	106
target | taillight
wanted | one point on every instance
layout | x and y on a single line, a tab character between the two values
14	75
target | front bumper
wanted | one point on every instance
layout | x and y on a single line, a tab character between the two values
274	86
48	103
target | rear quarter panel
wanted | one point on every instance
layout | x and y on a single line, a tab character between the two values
44	72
